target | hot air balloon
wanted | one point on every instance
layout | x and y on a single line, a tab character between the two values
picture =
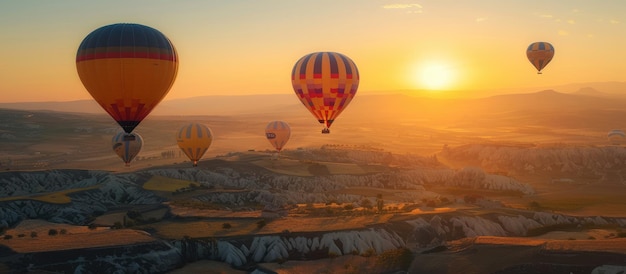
128	69
194	140
540	54
278	133
127	145
325	82
616	137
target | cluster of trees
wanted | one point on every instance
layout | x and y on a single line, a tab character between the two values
33	234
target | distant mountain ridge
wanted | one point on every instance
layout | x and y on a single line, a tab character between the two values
608	96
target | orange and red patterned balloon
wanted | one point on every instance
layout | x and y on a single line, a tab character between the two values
278	133
325	83
128	69
540	54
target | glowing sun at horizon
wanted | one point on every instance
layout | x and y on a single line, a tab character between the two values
435	76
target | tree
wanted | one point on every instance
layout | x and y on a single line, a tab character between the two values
117	225
226	226
380	203
260	224
52	232
366	203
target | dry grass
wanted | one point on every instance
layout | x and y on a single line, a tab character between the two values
76	237
58	197
557	243
342	264
160	183
302	168
205	228
284	166
247	226
207	267
184	211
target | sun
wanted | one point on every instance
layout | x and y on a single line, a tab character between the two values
435	76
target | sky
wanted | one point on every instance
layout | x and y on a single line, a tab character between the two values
237	47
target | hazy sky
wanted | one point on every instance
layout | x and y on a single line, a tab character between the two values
250	46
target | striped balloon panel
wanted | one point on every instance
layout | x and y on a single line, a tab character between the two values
128	69
194	140
540	54
278	133
127	146
325	83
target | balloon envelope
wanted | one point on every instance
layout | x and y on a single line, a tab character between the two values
278	133
325	83
128	69
127	146
616	137
540	54
194	140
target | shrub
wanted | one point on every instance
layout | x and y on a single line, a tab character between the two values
33	234
117	225
92	226
21	235
260	224
366	203
8	237
396	259
52	232
226	226
63	231
369	252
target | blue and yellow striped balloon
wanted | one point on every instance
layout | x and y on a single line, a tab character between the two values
540	54
194	140
616	137
325	83
127	146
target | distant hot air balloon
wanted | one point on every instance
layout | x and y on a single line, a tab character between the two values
616	137
325	82
540	54
278	133
127	146
128	69
194	140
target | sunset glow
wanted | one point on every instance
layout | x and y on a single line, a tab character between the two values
436	76
226	49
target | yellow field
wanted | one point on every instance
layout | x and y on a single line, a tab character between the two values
160	183
248	226
75	237
205	229
59	197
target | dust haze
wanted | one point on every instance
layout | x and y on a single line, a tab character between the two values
403	182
